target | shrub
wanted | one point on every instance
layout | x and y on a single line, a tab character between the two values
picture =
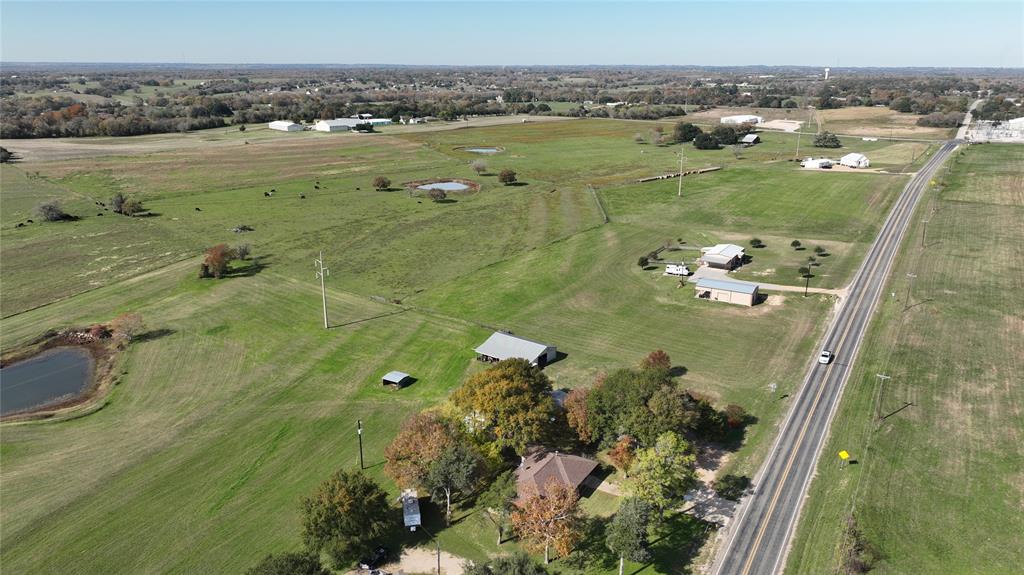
381	183
725	135
479	166
795	244
132	207
643	261
731	487
705	142
507	177
437	195
52	212
756	243
686	132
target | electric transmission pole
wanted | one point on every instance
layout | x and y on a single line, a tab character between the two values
322	272
680	192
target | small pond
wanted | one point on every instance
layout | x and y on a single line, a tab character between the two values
482	150
446	186
57	373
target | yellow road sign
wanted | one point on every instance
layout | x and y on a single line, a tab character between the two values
844	455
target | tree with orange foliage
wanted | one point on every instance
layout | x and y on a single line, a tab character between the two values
657	359
126	326
577	415
216	261
421	441
551	519
623	453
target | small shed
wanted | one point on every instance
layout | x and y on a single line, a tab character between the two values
397	378
501	346
739	293
855	160
750	139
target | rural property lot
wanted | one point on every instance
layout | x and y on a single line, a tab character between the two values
939	482
243	403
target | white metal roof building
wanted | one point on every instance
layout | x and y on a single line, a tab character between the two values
502	346
725	256
339	125
742	119
739	293
750	139
855	160
816	164
285	126
399	378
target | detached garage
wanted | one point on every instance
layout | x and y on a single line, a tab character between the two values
855	160
285	126
502	346
739	293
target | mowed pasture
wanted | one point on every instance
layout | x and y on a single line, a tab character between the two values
239	402
939	481
879	122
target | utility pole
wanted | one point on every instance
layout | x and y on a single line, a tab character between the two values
680	192
322	272
910	282
359	431
878	408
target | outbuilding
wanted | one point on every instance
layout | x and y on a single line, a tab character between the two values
722	256
742	119
739	293
855	160
339	125
501	346
285	126
397	378
817	163
750	139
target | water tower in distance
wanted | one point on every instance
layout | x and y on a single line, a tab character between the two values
826	73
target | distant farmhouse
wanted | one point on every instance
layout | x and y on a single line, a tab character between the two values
722	256
501	346
742	119
285	126
855	160
740	293
540	467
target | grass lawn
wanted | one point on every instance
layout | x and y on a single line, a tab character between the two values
219	426
939	484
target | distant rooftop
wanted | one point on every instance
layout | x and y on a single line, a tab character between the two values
727	285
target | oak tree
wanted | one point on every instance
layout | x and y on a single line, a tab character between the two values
346	517
550	520
421	441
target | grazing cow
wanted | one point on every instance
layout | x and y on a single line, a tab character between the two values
198	210
302	196
266	194
316	187
100	214
28	221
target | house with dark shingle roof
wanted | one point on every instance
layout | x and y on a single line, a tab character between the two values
540	467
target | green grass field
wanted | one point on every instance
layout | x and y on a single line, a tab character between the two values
241	403
939	485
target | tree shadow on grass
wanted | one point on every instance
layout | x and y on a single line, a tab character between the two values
518	184
676	542
153	334
592	553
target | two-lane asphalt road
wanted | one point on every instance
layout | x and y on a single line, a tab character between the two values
758	537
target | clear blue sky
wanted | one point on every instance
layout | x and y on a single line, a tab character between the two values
822	33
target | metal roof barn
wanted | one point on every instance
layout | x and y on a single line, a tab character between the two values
740	293
502	346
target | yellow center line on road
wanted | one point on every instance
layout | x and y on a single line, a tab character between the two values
859	299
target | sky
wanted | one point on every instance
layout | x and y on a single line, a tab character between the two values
850	33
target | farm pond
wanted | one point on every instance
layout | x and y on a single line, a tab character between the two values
55	375
482	150
446	186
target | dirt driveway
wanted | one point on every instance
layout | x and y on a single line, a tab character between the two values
424	560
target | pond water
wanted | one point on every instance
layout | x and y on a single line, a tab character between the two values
446	186
55	373
483	150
